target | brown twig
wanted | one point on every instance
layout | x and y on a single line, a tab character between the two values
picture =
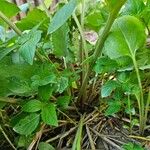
36	138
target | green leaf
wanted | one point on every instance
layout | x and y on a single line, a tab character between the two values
49	115
32	106
113	107
62	16
5	51
63	101
105	64
133	7
132	146
126	37
28	43
9	9
33	18
60	40
16	78
43	80
108	87
44	75
62	84
45	146
111	4
18	86
95	20
28	124
45	92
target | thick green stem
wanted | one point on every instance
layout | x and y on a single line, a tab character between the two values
10	23
83	52
100	43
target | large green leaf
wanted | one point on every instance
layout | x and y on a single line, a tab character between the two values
62	16
28	43
133	7
19	86
9	9
32	106
16	78
49	115
28	124
126	37
60	41
33	18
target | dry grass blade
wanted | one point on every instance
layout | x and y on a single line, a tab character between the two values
36	138
139	138
66	116
61	135
103	137
5	135
90	138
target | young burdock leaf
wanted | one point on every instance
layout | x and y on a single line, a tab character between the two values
45	146
28	43
126	37
49	115
113	107
60	41
62	16
32	106
28	124
108	87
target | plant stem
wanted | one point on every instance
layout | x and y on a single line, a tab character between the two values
100	44
130	115
81	33
83	53
103	36
142	126
147	107
10	23
8	100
